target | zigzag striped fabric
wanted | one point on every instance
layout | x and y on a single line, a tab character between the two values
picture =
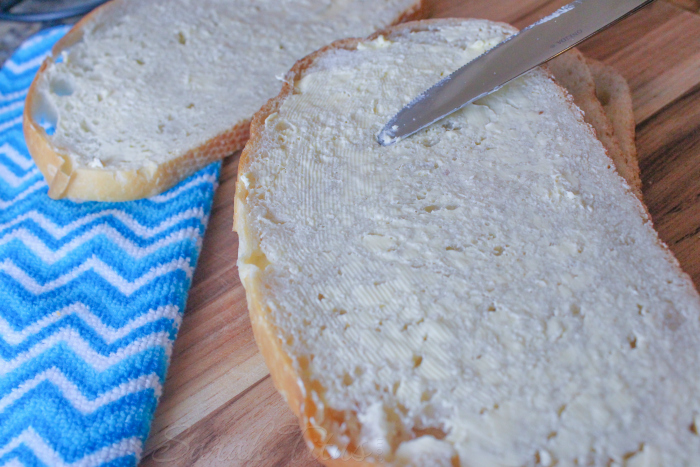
91	297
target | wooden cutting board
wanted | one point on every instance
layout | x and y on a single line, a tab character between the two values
219	406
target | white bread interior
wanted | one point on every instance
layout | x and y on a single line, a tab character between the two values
488	292
140	94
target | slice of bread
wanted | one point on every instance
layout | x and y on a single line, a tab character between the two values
141	94
614	94
475	295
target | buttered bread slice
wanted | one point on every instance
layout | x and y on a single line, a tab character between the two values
487	292
141	94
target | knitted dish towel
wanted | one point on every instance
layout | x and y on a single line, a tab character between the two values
91	297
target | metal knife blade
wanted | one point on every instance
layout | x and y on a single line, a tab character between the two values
533	46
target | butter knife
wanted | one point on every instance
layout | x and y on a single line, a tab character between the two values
533	46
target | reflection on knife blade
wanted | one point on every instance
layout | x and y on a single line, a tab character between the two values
533	46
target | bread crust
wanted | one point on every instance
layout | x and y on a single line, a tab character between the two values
613	93
66	181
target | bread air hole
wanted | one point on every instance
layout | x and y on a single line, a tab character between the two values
47	123
632	342
62	56
629	455
437	433
451	125
258	258
283	126
427	395
417	360
544	459
430	141
303	362
575	309
61	86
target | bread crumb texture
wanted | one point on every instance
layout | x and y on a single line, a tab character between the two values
150	80
487	292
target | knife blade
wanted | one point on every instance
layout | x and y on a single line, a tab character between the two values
533	46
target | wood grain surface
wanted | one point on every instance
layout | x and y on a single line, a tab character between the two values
219	406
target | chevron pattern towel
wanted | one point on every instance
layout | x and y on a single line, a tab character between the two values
91	296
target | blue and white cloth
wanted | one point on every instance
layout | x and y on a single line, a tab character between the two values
91	297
